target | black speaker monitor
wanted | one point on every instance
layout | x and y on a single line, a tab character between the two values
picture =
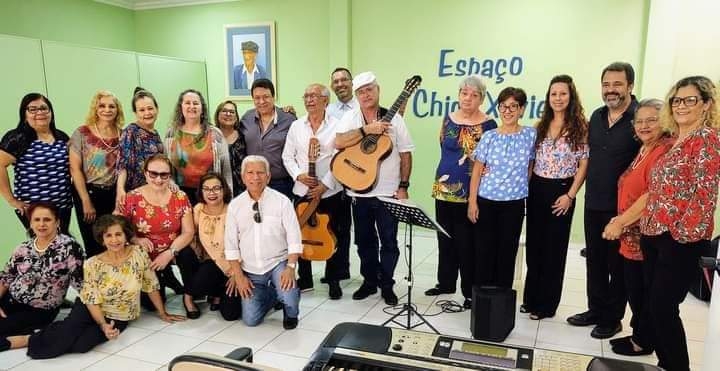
493	313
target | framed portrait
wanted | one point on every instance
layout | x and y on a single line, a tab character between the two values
249	55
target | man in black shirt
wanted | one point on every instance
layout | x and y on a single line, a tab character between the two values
612	149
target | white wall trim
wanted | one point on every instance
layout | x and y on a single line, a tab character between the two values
157	4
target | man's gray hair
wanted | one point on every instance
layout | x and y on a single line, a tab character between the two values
255	159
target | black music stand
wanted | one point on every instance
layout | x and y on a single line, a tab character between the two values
411	215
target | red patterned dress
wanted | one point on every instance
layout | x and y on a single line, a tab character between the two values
160	224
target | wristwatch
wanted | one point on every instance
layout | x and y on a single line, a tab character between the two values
404	184
173	251
292	265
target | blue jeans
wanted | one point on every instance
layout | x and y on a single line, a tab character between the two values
264	296
376	239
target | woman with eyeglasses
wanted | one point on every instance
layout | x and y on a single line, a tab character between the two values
212	275
163	218
632	198
39	153
227	119
94	149
558	173
678	221
138	141
38	274
194	146
498	188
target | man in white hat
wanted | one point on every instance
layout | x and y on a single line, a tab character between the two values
375	227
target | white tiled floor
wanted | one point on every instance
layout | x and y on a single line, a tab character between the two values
149	344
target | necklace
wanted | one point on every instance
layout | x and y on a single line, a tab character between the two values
99	135
641	156
39	250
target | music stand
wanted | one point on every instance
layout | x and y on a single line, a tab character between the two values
411	215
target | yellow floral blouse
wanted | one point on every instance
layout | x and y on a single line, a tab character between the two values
117	289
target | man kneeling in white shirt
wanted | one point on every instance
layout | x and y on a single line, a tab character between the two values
262	244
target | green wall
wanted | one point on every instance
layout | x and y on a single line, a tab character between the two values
82	22
197	32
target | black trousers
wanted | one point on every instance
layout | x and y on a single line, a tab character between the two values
210	280
457	252
674	266
337	267
188	263
103	200
64	220
638	276
605	283
77	333
546	244
497	237
22	319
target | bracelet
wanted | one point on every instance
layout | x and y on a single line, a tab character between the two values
570	197
362	132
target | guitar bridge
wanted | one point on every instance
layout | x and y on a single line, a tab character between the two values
352	165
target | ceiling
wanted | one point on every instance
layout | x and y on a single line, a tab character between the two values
155	4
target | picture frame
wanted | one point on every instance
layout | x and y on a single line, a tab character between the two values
248	43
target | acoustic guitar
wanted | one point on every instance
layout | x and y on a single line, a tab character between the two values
356	166
317	238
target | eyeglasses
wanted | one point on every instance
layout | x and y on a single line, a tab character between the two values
155	174
256	208
650	121
228	111
41	109
312	96
512	107
690	101
216	189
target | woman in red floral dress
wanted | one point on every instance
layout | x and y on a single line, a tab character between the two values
163	218
678	219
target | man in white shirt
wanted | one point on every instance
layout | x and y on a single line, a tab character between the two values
316	124
341	84
262	244
375	228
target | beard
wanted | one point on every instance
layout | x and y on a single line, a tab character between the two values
614	103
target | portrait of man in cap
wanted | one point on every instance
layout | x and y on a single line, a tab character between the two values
246	73
249	56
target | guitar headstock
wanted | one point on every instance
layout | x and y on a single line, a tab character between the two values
412	83
313	149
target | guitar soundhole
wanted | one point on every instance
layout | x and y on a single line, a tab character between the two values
368	146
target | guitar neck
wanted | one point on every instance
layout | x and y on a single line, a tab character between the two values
311	169
396	106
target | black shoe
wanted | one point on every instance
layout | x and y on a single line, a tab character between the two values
305	285
214	307
289	323
540	315
626	348
583	252
4	344
620	340
343	277
335	291
524	309
605	332
364	291
435	291
278	305
191	314
583	319
389	296
467	304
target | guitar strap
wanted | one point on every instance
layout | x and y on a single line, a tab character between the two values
380	114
